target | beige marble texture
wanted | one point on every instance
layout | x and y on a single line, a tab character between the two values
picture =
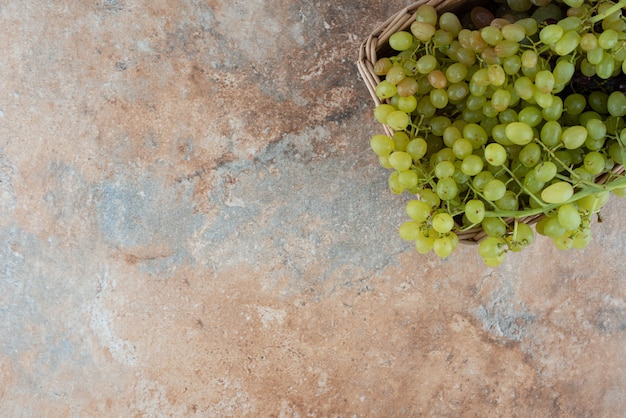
192	225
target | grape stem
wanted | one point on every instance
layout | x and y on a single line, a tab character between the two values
608	12
616	184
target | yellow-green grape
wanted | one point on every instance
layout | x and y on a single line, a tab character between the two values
439	124
444	169
494	261
400	140
596	129
383	160
381	144
616	104
401	40
429	197
426	63
442	222
408	179
497	76
564	242
409	231
582	239
508	202
500	100
382	65
425	107
491	247
462	148
550	227
418	210
531	116
475	134
554	111
604	69
491	34
407	104
447	189
394	184
423	31
513	32
574	137
475	211
544	81
398	120
494	190
608	39
588	41
450	22
439	98
426	13
443	246
524	87
416	148
551	34
424	242
570	23
385	90
594	162
495	154
575	103
569	217
530	155
512	64
544	100
395	74
595	55
456	72
506	48
529	24
382	111
558	192
545	171
522	236
450	135
519	5
457	91
442	38
400	160
519	133
476	42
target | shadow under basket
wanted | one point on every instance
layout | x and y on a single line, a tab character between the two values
376	46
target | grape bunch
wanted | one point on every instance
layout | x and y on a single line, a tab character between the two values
502	114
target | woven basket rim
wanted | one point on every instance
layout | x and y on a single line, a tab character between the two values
368	55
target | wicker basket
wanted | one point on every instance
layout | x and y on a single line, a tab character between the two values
377	45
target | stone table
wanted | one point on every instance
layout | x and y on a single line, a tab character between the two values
192	225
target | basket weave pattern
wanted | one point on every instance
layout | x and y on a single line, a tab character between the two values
376	46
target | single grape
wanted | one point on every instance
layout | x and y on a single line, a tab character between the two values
400	160
418	210
447	189
530	155
472	165
424	242
569	217
398	120
495	154
401	40
519	133
545	171
494	190
381	144
409	231
429	197
491	247
558	192
442	222
574	137
475	211
443	246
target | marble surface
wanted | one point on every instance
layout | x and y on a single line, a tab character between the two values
192	225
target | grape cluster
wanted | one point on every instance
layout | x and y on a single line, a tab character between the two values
504	114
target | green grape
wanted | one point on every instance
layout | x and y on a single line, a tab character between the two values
604	69
508	116
532	184
400	141
594	162
544	81
442	222
495	154
385	90
407	104
425	107
382	65
508	202
524	87
574	136
426	13
475	134
598	101
442	38
444	169
500	100
445	154
519	133
529	24
558	192
596	129
519	5
530	155
417	148
451	134
499	134
458	91
426	63
494	261
462	148
383	160
424	242
439	124
418	210
582	239
551	34
443	246
481	179
531	116
400	160
491	34
563	72
450	22
429	197
575	103
472	165
616	104
439	98
401	40
551	227
506	49
568	43
409	231
545	171
408	179
491	247
513	32
554	111
570	23
512	64
494	190
382	111
564	242
523	235
394	184
595	55
423	31
456	72
497	76
398	120
569	217
544	100
381	144
608	39
475	211
447	189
